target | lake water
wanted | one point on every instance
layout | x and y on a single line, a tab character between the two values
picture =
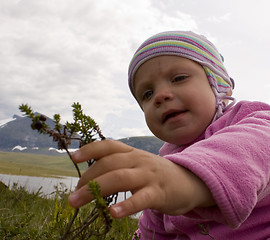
33	184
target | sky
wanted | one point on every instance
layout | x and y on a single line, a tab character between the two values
56	52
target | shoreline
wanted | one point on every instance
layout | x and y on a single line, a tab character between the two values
47	185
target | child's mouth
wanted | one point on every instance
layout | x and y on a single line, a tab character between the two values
171	115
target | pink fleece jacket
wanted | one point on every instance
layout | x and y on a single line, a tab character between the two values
232	157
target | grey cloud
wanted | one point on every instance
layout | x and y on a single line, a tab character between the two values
53	53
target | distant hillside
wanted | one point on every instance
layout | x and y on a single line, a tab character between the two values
15	163
16	135
149	143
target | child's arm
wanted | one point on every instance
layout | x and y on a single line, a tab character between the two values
154	181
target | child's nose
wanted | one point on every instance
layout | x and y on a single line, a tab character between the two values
162	95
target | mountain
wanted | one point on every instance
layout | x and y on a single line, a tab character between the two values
18	132
147	143
17	135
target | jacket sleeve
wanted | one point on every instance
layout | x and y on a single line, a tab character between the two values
234	162
151	226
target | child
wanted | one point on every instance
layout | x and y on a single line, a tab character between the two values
218	172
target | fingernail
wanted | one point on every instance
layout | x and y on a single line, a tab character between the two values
118	211
76	154
74	199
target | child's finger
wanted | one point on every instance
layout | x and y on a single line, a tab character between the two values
143	199
104	165
110	183
99	149
80	197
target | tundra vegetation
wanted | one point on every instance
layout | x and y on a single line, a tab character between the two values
31	216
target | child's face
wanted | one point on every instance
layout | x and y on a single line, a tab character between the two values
176	98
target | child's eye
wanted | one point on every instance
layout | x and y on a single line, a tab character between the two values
147	94
179	78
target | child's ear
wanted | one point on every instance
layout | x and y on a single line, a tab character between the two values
229	93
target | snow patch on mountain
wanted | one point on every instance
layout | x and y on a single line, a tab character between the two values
20	148
63	151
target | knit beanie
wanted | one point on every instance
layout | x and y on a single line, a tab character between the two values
194	47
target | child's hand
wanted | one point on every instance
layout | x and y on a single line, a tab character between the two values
154	182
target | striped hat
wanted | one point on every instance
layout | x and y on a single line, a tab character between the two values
194	47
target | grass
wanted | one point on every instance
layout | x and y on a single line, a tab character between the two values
29	164
26	215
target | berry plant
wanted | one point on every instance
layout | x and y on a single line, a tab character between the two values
84	130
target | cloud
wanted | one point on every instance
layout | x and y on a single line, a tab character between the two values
54	53
220	19
135	132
